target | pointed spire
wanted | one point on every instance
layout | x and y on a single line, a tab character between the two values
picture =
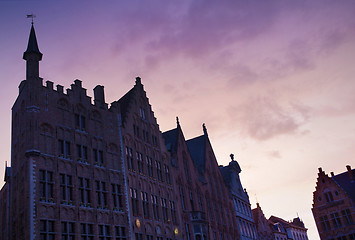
204	129
177	122
32	56
32	46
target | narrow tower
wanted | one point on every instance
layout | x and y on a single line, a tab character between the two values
32	56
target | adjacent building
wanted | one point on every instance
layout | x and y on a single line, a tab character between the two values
334	205
276	228
240	198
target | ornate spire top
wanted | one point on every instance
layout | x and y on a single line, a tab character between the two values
32	46
177	121
204	129
232	156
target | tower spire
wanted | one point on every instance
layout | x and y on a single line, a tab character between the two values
32	55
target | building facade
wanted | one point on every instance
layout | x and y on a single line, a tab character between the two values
239	195
334	205
203	197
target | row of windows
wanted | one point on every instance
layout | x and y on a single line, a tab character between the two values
247	229
84	191
144	135
137	164
64	150
338	219
140	236
348	237
242	207
152	207
86	231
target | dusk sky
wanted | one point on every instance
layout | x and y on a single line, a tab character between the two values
274	81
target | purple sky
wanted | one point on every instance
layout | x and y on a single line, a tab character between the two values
272	80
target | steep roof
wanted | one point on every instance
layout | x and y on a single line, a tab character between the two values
125	102
197	149
32	46
170	138
346	183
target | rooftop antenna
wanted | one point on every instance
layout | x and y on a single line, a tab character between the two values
32	16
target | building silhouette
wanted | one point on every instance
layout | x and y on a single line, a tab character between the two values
85	169
334	205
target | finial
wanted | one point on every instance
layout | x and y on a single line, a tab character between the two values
204	129
32	16
177	121
232	156
138	80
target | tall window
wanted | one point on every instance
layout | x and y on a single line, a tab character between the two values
86	231
139	236
66	189
142	113
182	197
192	201
186	169
101	194
84	192
64	148
82	153
129	158
117	197
46	185
98	157
150	237
145	204
164	209
136	130
167	174
329	196
335	219
80	122
200	203
140	162
347	217
120	233
173	211
187	227
46	229
68	231
150	166
155	207
104	232
159	172
134	201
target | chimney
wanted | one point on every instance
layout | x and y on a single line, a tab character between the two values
99	95
332	174
320	170
351	175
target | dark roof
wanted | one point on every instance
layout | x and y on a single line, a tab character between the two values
344	181
197	149
32	46
170	138
285	223
125	103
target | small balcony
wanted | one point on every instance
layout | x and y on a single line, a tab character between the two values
198	216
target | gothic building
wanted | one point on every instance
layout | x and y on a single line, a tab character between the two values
334	205
206	208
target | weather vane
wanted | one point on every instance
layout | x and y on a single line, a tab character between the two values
32	16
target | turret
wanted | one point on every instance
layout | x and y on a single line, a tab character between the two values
32	56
